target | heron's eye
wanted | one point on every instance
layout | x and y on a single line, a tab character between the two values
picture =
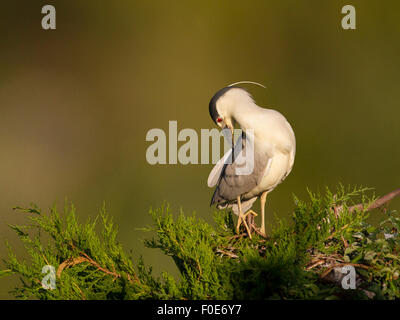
219	120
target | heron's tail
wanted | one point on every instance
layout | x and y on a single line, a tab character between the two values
216	198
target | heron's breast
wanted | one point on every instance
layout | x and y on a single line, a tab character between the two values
279	169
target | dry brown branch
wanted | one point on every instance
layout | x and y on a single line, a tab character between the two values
227	253
80	291
69	263
374	205
236	237
316	264
85	258
94	263
345	243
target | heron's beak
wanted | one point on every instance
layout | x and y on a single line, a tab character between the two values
233	142
229	124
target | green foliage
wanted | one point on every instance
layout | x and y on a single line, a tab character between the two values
296	261
89	264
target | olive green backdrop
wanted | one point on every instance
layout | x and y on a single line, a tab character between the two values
76	103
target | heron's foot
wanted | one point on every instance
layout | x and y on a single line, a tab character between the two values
248	222
254	214
262	232
239	223
250	219
254	228
241	220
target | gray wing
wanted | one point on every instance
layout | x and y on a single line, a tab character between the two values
231	184
215	173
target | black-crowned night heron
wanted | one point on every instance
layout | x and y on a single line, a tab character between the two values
274	146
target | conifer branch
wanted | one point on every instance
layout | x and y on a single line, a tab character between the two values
294	262
374	205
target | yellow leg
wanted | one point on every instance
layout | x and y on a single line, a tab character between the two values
250	212
242	219
263	200
249	218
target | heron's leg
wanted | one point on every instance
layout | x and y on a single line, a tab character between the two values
240	215
263	200
250	221
242	219
249	216
250	212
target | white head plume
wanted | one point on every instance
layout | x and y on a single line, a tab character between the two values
250	82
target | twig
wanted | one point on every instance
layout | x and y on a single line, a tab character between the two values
69	263
227	253
85	258
334	233
94	263
345	243
316	264
374	205
80	291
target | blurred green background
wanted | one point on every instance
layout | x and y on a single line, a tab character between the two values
76	103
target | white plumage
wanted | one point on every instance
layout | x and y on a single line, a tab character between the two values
274	151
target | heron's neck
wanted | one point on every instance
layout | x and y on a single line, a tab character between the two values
244	113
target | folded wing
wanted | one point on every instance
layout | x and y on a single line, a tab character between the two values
227	177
